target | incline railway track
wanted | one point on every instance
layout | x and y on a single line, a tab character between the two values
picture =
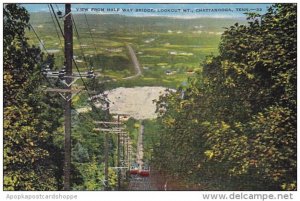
140	178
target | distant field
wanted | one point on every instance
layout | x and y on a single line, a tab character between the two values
168	49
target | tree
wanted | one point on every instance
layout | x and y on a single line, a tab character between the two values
30	117
235	123
80	154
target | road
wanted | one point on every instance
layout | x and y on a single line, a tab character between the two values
136	64
138	72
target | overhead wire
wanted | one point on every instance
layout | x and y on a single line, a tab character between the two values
78	37
93	41
39	39
95	47
57	6
57	21
56	30
77	68
57	33
86	88
80	44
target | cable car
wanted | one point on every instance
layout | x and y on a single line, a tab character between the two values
144	172
134	170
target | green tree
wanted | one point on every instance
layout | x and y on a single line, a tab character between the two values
80	154
235	124
30	117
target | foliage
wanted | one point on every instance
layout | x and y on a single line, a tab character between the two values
88	152
30	116
151	135
93	176
234	126
80	154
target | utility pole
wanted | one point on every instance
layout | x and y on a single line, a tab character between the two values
106	162
106	150
123	147
67	78
68	32
118	161
111	127
127	152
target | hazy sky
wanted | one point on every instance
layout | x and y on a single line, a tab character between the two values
174	10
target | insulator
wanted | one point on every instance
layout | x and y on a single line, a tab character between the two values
90	74
61	74
59	13
46	70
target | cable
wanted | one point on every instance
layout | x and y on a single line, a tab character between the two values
61	31
86	88
95	46
84	83
80	44
56	30
38	38
91	34
44	49
57	33
57	7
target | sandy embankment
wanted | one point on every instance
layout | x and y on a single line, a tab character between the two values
137	102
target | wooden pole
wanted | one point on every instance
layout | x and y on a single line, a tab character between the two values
68	32
118	162
106	154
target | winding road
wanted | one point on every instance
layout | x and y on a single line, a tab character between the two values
136	64
138	72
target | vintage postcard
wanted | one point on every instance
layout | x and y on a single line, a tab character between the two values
150	97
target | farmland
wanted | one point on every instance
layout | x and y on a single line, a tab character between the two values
168	49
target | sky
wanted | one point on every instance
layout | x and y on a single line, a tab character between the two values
170	10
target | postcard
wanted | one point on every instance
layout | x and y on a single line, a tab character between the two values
150	97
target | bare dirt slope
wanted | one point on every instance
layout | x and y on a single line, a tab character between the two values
137	102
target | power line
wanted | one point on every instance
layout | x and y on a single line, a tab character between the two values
90	33
80	44
77	68
61	31
39	38
57	7
84	83
68	39
88	118
57	33
86	88
44	49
